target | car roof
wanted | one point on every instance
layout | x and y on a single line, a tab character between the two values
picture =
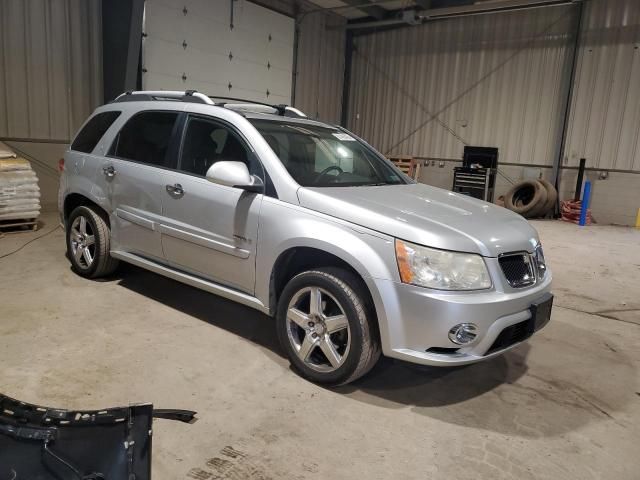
181	100
289	120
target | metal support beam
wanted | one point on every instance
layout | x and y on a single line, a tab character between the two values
121	43
570	76
294	77
482	8
423	4
373	10
346	83
467	8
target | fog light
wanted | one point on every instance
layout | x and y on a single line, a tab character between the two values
463	333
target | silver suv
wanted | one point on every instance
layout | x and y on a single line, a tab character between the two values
303	221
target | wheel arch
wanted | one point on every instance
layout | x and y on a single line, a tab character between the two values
75	200
298	259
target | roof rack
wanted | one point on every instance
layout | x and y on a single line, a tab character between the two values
282	109
143	95
197	97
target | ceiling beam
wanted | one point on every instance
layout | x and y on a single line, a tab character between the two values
373	10
423	4
394	17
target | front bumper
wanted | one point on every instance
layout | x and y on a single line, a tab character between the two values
414	320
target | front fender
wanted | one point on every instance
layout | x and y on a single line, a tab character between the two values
284	226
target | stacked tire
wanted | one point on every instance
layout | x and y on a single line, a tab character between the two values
531	198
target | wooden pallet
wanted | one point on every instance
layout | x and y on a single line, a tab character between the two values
18	225
407	164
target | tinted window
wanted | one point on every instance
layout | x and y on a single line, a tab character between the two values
207	141
324	157
145	138
93	131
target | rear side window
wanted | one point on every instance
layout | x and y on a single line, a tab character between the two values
145	138
93	131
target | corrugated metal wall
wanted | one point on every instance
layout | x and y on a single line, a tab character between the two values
50	66
492	80
321	66
604	124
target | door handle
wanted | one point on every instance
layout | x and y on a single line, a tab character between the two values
175	190
109	171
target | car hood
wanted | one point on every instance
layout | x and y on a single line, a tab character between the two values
426	215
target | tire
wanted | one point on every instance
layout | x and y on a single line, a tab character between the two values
552	197
357	345
538	209
526	198
87	231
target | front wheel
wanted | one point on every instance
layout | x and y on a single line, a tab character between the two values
327	327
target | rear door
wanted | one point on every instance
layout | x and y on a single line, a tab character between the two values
211	230
136	170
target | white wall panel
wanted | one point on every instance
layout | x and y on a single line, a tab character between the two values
50	66
253	60
492	80
605	115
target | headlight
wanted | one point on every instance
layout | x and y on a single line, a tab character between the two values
540	262
440	269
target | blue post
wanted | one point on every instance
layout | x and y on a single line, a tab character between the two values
585	203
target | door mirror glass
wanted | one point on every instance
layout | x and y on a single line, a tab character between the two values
234	174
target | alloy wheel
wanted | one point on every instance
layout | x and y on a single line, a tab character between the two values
318	329
83	242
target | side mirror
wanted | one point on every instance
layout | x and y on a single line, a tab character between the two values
234	174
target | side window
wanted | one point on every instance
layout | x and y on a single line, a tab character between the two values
145	138
207	141
93	131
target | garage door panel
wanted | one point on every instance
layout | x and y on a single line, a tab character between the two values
255	57
264	21
203	9
206	66
248	48
280	57
165	23
206	33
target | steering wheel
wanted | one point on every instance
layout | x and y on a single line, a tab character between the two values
327	170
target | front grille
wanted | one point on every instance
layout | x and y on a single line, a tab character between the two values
510	335
518	269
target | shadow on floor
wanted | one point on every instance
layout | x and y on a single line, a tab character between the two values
401	383
551	395
238	319
392	380
498	395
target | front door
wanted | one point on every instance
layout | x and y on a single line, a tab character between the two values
211	230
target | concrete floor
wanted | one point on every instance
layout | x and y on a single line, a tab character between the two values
565	405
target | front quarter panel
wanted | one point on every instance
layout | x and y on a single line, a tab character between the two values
284	226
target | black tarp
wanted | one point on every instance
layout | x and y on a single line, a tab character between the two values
41	443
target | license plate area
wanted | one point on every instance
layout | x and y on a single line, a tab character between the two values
540	313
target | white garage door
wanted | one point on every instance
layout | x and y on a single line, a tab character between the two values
191	45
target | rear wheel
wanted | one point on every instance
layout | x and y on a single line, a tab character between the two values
88	239
326	326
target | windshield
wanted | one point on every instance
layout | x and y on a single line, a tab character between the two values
325	157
